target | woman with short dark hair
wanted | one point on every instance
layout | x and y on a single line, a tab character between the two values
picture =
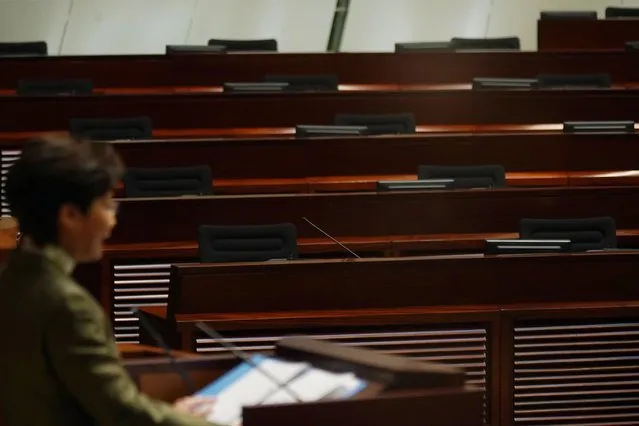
59	365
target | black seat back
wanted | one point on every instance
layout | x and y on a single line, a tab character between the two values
168	181
308	82
622	12
594	233
495	173
559	15
252	243
499	43
103	129
258	45
78	86
379	124
28	48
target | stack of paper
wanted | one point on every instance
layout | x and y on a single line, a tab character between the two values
274	382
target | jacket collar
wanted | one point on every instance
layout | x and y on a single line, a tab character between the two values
53	253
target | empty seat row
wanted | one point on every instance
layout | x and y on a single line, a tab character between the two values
40	48
279	241
321	83
197	180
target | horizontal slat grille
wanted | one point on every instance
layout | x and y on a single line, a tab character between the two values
7	159
134	285
465	347
577	373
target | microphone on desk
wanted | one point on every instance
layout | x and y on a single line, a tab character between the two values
155	335
243	356
334	239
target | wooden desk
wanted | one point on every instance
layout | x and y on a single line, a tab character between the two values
431	107
586	35
134	351
352	68
511	328
281	157
369	214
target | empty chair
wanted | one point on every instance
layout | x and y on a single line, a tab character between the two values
379	124
306	82
55	87
500	43
547	15
423	46
264	45
254	243
176	49
574	80
492	174
168	181
28	48
101	129
595	233
622	12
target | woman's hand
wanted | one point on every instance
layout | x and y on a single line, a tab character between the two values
199	406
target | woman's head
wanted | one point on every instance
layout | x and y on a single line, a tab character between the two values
61	192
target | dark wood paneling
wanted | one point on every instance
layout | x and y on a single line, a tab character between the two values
403	282
286	157
585	34
290	158
105	71
442	107
352	68
374	214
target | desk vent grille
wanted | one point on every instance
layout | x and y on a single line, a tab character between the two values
465	347
135	284
7	158
571	374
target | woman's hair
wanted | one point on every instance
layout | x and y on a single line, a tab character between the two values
53	171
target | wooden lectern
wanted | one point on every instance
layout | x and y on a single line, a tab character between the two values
402	392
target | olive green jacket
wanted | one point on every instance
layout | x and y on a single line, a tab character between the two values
59	365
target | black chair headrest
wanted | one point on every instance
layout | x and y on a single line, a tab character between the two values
622	12
112	128
379	123
258	45
550	15
500	43
78	86
27	48
306	82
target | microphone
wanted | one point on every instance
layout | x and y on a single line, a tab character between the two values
334	240
146	324
243	356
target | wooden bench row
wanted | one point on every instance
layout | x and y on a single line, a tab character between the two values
367	214
506	320
351	68
435	107
281	157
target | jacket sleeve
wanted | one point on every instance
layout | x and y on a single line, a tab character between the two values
83	353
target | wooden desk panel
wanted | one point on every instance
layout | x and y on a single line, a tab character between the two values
281	164
361	284
567	294
373	214
352	68
438	107
285	158
586	35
